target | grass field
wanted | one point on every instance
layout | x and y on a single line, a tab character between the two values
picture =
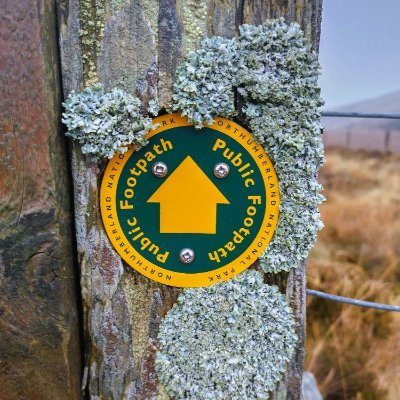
353	352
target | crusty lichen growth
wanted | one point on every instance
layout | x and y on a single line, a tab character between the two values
92	15
106	123
139	297
162	395
232	340
115	5
151	11
275	73
194	20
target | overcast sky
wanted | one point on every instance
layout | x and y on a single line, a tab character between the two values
360	50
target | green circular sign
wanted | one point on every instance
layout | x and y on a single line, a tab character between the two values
193	207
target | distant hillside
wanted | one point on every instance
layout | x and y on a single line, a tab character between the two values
369	134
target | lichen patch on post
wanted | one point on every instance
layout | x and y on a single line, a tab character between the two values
204	84
106	123
194	20
92	31
137	296
232	341
115	5
274	73
151	12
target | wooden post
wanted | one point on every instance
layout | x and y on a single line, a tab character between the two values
137	45
387	142
40	354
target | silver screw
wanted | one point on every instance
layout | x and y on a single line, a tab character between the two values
186	256
221	170
159	169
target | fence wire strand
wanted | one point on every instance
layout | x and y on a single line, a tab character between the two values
355	114
354	302
333	297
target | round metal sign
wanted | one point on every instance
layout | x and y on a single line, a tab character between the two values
193	207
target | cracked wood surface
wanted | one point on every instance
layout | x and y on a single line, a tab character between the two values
39	333
137	45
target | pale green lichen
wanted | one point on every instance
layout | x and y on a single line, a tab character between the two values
194	21
232	340
92	15
153	107
106	123
116	5
139	297
150	10
204	86
275	74
162	394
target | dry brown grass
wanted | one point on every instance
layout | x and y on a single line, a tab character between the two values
354	352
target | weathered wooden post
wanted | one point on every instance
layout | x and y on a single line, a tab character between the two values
137	46
387	142
40	354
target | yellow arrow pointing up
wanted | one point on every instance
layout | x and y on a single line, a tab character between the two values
188	201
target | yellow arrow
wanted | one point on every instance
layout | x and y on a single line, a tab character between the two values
188	201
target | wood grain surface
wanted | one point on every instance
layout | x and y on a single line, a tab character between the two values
40	353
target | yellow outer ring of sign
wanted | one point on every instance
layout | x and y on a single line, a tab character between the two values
159	274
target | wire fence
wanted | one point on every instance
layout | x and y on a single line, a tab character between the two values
333	297
384	139
354	302
355	114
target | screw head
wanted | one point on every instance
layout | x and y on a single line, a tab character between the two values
159	169
221	170
186	256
